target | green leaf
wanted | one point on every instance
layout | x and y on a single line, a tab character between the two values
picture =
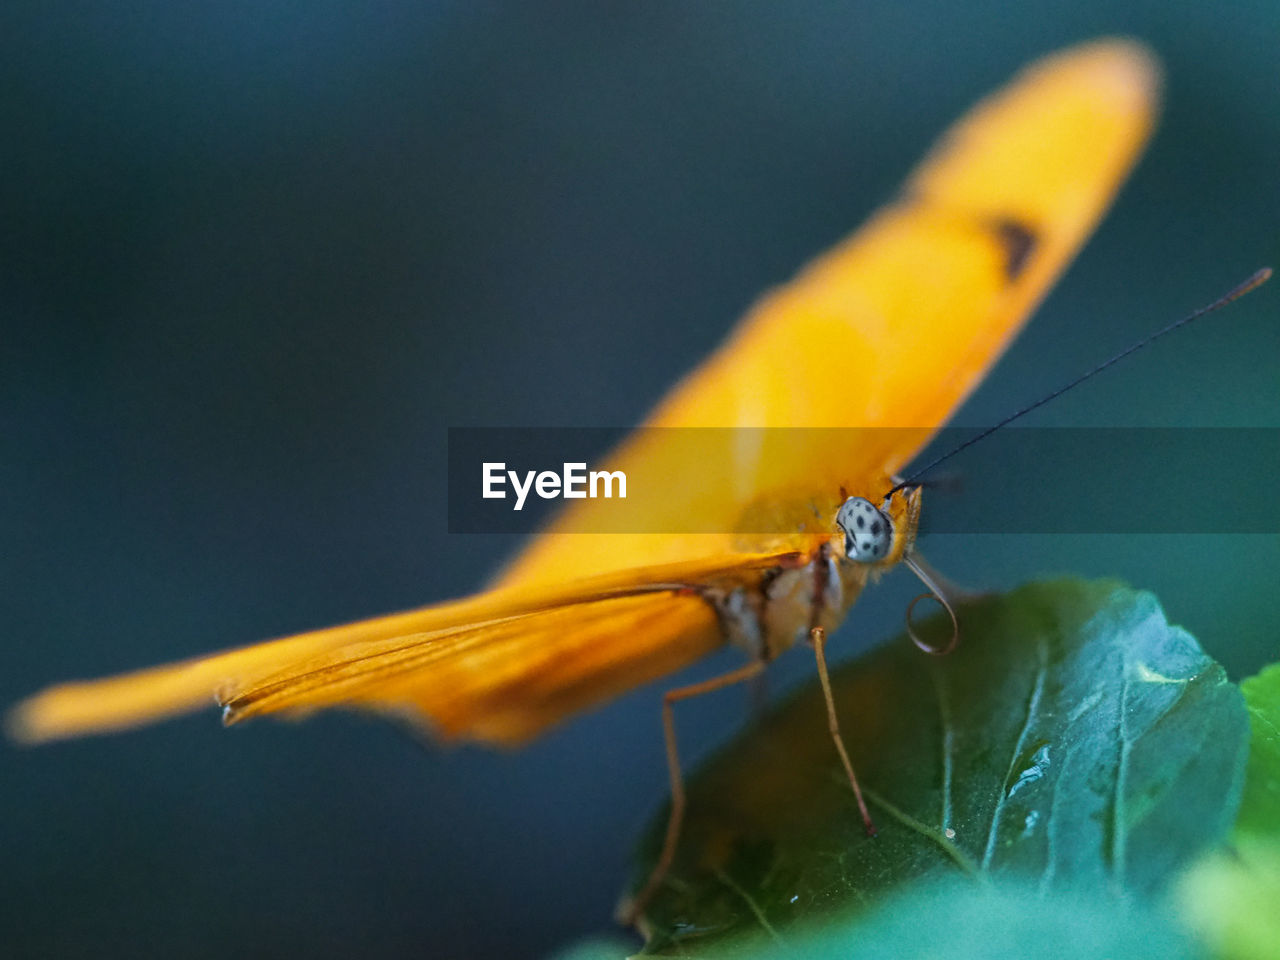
1231	897
959	920
1076	742
1260	808
964	921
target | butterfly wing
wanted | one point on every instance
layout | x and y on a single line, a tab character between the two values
497	666
892	328
500	680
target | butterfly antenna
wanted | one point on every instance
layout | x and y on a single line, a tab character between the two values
1235	293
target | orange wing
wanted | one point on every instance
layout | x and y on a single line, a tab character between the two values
895	326
892	328
494	666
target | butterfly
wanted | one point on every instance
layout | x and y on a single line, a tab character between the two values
893	327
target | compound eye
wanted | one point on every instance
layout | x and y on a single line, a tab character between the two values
868	533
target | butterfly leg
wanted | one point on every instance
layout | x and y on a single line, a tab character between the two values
630	909
818	637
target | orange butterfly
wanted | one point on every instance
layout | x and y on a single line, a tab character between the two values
894	327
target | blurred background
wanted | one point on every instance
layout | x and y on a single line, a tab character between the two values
255	258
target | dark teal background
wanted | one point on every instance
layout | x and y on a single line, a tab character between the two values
255	258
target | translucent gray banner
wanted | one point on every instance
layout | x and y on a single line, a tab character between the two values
1018	480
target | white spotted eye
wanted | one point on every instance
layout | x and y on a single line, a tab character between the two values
868	533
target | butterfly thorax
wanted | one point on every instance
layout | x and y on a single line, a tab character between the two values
783	605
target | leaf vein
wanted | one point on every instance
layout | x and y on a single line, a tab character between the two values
948	745
754	907
952	850
1118	830
1033	706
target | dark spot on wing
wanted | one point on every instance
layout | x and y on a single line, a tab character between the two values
1018	240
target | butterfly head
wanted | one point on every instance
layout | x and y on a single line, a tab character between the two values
879	535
